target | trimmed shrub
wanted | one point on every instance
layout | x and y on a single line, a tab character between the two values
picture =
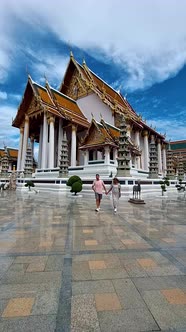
29	184
73	179
76	187
75	183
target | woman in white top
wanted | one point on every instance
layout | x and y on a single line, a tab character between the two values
115	188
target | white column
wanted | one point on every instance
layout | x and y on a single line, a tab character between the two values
44	142
164	160
40	146
146	151
51	143
107	155
73	146
25	141
115	155
60	137
159	157
137	142
85	157
20	149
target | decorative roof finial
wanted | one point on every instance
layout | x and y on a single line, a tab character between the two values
101	116
92	115
84	63
46	81
71	54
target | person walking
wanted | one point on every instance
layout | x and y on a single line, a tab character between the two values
115	188
98	186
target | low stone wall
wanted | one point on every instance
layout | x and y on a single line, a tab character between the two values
148	186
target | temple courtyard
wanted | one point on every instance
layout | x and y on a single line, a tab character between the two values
64	267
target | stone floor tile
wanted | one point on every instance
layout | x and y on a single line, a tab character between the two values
107	301
169	240
92	287
29	324
84	315
81	271
97	265
116	273
146	262
31	259
128	294
91	242
3	304
174	296
36	267
46	303
134	320
18	307
54	263
88	231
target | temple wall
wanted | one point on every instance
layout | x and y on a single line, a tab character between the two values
93	104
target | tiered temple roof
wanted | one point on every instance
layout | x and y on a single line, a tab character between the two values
50	100
88	82
100	134
12	153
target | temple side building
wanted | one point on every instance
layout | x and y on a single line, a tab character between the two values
12	155
89	112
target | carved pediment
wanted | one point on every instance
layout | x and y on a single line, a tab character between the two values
34	106
77	86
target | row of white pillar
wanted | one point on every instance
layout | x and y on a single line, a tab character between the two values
161	152
46	153
45	146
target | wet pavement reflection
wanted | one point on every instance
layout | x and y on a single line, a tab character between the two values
65	267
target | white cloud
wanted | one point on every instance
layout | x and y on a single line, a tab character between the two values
3	95
174	128
8	134
147	38
50	66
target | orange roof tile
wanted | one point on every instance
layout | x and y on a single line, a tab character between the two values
52	101
13	153
43	94
102	137
70	108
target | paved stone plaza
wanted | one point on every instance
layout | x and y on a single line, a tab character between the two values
65	268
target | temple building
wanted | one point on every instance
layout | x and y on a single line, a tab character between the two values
178	150
12	155
89	113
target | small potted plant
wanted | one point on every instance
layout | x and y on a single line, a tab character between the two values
164	184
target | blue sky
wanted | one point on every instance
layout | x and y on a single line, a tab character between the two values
136	46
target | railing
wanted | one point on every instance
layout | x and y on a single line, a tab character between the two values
95	162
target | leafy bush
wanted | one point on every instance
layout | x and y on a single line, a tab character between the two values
76	187
75	183
73	179
29	184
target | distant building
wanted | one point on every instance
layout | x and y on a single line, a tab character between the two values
12	158
179	149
